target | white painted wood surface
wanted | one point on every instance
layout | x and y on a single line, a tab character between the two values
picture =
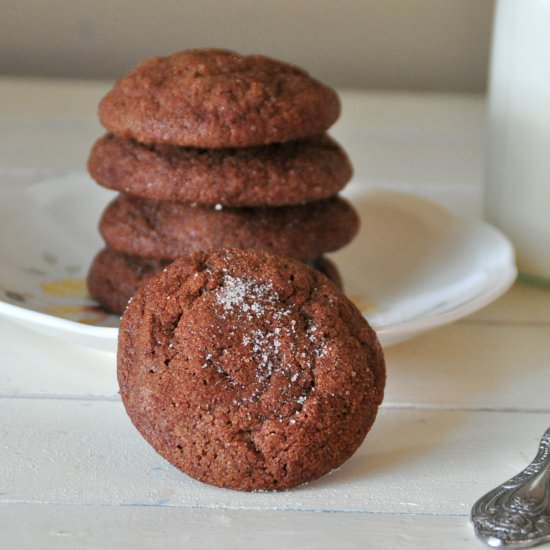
464	409
54	527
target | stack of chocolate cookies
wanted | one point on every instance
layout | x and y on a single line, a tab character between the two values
211	149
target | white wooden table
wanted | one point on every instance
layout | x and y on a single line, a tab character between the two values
464	409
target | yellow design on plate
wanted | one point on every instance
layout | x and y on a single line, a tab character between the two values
66	287
63	310
96	321
89	315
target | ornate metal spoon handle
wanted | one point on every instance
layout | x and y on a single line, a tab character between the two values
517	513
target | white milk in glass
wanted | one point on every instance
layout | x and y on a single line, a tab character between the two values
518	176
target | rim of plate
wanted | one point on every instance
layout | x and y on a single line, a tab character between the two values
453	313
498	281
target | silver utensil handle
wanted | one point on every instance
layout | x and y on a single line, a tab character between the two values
517	513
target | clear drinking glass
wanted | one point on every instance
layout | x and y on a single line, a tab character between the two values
518	168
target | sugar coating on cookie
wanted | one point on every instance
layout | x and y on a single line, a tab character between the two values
248	371
275	175
217	98
168	230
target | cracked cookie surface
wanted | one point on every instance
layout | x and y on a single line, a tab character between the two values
248	370
217	98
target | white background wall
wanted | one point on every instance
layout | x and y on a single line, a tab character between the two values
381	44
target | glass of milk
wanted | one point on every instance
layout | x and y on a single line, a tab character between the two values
518	176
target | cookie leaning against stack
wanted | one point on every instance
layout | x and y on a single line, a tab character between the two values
212	149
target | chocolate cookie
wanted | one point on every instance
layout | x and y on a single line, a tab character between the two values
114	278
274	175
248	371
216	98
166	230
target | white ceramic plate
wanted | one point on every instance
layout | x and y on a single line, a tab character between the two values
413	267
